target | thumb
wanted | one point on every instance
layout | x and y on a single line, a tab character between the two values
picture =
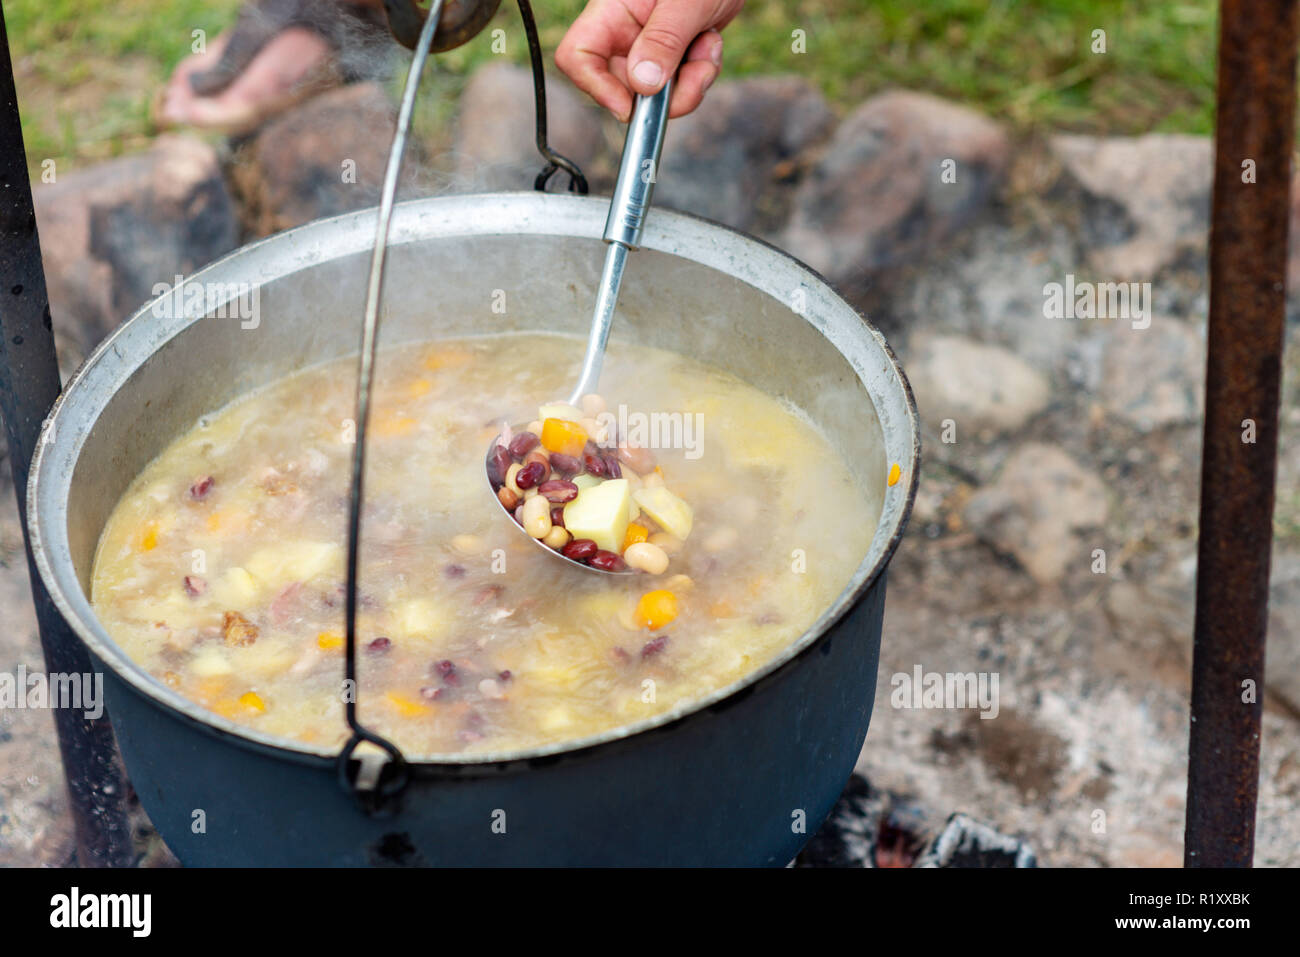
659	48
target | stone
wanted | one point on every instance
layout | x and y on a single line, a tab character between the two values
986	390
322	158
1033	511
965	842
880	194
496	144
112	232
1153	377
719	160
1282	666
1149	199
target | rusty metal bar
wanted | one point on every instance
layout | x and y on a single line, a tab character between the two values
1254	138
29	384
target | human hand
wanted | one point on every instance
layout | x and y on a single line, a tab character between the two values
618	48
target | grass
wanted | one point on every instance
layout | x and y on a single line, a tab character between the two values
88	68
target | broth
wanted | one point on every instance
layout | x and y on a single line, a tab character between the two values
220	571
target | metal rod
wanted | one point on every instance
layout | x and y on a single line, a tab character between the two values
1254	138
29	384
637	173
365	382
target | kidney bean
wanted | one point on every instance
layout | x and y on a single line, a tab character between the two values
498	463
580	549
195	586
607	561
565	464
201	487
507	498
446	670
379	646
558	491
522	444
504	675
557	516
612	467
539	455
454	571
488	593
594	464
530	475
639	460
654	646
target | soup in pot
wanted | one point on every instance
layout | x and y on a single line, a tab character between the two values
221	569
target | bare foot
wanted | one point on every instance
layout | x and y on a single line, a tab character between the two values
293	64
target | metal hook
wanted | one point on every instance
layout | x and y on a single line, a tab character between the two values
554	161
384	792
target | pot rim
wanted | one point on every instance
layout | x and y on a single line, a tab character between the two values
678	234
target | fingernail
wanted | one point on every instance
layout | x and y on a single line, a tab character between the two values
647	73
709	82
715	54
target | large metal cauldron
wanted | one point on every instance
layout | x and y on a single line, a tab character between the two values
743	777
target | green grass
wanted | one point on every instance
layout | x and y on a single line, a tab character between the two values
87	68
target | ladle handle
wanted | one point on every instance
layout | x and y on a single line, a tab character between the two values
639	168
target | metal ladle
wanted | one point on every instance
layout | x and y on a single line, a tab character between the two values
628	206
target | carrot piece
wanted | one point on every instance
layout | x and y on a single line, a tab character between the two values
656	609
563	436
149	537
253	701
405	706
636	533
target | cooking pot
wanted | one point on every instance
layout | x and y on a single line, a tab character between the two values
741	777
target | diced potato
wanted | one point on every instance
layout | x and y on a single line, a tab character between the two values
420	618
586	480
600	513
211	662
296	562
559	410
236	589
672	514
266	659
556	719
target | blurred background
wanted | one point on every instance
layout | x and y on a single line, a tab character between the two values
1053	542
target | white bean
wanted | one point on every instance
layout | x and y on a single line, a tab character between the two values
592	404
721	540
646	557
536	516
510	479
557	537
467	544
669	544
